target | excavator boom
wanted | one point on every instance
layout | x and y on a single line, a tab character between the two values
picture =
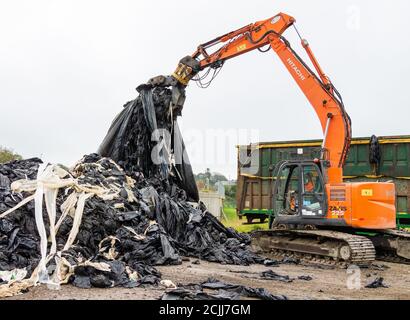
318	89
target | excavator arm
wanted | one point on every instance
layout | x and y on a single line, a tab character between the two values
318	88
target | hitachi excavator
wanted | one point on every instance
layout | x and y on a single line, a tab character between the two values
317	216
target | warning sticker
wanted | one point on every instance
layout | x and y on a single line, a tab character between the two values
367	192
241	47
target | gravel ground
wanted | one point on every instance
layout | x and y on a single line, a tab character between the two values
326	283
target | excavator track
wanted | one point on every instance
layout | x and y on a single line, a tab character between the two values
392	246
316	246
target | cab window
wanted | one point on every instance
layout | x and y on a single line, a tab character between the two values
313	196
288	191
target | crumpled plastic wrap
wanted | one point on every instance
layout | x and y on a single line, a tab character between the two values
95	226
148	127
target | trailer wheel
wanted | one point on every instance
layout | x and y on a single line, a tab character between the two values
263	219
249	219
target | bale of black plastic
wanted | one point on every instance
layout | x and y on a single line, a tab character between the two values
146	127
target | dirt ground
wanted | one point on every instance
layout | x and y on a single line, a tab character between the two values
326	283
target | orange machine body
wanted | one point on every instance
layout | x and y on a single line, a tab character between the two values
363	205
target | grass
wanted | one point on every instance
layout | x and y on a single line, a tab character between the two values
233	221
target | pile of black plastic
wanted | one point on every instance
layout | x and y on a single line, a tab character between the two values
150	222
19	246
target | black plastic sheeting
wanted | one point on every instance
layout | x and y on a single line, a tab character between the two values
213	289
375	153
137	133
180	229
305	278
376	283
18	233
271	275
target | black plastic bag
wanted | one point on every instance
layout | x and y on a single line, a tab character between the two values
137	134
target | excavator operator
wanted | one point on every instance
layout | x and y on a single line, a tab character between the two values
309	186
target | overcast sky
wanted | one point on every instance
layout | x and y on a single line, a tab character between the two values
67	67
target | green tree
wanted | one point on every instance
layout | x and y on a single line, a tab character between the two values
230	196
230	191
7	155
209	179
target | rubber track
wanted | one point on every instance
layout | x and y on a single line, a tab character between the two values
363	252
391	256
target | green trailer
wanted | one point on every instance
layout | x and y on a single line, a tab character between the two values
256	164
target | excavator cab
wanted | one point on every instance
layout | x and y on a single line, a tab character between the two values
299	193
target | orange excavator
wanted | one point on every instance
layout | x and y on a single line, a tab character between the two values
316	215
